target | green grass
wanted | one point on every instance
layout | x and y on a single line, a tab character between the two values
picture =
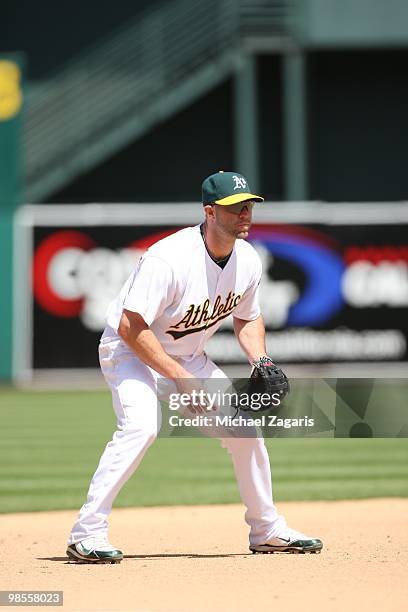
50	443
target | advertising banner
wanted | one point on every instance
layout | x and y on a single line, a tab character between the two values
331	291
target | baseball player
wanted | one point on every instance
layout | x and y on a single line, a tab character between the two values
157	328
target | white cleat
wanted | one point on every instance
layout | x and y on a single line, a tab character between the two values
290	541
95	549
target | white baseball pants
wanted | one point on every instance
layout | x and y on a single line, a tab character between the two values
134	394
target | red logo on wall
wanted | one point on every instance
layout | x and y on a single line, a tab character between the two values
74	277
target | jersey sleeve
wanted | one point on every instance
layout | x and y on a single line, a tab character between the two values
248	308
151	290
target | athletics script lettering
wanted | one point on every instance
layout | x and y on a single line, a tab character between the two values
198	318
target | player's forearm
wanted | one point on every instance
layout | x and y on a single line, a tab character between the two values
251	337
140	338
149	350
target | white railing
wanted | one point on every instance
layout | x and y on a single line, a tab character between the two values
120	77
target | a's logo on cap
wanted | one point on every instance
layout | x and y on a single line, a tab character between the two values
240	182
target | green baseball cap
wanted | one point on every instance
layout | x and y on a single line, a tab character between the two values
227	188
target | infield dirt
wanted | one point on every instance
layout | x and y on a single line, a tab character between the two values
196	558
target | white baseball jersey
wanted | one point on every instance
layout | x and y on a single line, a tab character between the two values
183	295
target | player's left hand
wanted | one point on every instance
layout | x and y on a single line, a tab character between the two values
266	377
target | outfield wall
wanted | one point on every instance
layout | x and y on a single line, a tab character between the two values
334	288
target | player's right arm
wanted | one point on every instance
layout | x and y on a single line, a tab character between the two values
151	291
134	330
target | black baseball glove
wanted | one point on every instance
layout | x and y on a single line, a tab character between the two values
267	378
